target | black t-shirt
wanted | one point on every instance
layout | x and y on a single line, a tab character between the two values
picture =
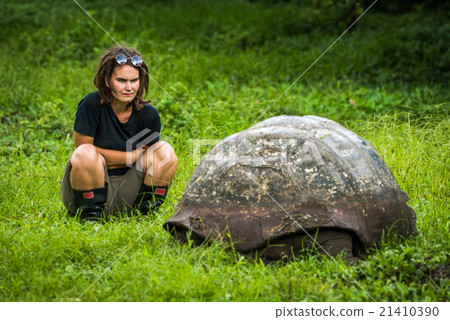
100	122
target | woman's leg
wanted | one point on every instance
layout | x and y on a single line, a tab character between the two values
87	168
160	164
87	178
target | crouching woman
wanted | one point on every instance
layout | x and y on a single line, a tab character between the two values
119	163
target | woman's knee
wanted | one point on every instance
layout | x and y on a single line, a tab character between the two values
86	155
162	155
168	155
165	156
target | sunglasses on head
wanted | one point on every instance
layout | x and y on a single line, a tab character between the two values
122	59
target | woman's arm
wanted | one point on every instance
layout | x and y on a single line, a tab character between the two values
82	139
114	158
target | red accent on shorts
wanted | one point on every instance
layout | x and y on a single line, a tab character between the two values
88	195
160	191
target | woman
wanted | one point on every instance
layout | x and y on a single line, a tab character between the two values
119	163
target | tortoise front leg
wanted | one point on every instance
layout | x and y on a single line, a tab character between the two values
334	241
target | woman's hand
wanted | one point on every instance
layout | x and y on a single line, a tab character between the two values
137	153
120	159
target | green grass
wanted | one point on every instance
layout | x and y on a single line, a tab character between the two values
225	71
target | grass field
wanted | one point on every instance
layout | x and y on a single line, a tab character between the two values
225	63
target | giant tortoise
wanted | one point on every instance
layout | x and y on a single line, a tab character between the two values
285	181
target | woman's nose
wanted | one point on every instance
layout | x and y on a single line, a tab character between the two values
128	85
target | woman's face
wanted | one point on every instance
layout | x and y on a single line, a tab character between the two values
124	84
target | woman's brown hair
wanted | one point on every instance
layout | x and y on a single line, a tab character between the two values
106	68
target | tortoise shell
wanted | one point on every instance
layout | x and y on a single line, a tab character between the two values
287	175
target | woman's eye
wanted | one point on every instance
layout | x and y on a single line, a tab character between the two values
134	80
